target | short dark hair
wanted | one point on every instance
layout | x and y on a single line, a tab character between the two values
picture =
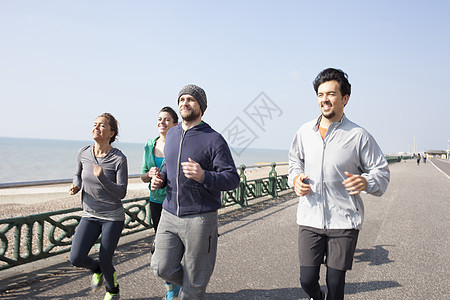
333	74
113	124
172	113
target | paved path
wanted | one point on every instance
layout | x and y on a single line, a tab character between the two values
403	251
442	165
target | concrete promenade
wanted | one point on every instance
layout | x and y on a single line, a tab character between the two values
402	253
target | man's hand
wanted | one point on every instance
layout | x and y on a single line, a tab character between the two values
192	170
300	187
157	182
73	189
355	184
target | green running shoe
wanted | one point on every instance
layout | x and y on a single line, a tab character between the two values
111	296
97	282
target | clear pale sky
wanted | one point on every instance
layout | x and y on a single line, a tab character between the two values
65	62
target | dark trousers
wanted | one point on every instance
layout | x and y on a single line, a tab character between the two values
155	213
85	237
309	280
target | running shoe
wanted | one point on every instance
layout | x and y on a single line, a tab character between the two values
97	282
172	291
111	296
323	296
152	247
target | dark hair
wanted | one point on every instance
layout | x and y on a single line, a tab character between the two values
113	124
333	74
172	113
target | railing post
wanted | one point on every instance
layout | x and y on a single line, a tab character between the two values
241	193
273	181
17	238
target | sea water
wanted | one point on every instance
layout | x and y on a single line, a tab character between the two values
27	160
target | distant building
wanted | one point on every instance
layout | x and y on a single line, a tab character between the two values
437	154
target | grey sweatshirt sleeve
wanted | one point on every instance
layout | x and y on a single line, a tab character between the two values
77	181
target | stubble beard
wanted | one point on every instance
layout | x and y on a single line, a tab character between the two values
190	115
329	115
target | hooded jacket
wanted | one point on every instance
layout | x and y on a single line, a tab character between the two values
210	150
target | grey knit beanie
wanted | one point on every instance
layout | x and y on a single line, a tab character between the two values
197	92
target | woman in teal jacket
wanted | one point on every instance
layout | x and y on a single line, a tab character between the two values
151	163
154	158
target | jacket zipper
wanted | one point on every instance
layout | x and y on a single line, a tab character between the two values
178	172
322	185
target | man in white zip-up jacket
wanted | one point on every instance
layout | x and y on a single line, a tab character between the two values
331	161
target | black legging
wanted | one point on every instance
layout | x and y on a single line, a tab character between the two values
309	280
86	235
155	213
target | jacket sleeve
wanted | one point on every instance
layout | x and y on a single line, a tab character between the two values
145	159
163	173
375	167
296	159
223	176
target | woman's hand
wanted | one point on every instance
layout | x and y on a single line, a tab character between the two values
73	189
157	182
153	171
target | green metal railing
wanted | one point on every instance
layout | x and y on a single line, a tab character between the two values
34	237
251	189
394	159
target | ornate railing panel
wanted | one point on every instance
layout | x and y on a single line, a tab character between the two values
34	237
251	189
26	239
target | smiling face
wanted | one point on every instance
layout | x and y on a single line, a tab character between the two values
165	122
189	108
331	102
102	130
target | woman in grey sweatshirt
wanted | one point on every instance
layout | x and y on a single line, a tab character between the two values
102	177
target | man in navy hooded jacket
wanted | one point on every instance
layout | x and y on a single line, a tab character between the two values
198	166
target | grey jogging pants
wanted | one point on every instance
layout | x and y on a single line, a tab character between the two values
195	238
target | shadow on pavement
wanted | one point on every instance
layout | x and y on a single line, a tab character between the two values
298	293
285	293
375	256
362	287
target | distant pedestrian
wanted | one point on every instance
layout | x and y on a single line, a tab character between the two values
418	158
424	158
198	166
331	161
102	177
